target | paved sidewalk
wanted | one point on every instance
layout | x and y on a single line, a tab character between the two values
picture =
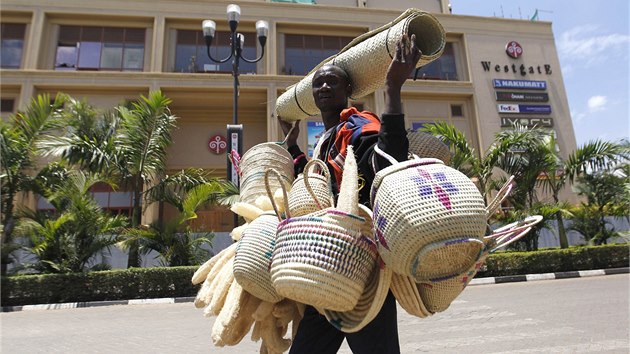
476	281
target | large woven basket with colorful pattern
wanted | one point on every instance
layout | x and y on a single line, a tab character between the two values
325	259
254	164
429	219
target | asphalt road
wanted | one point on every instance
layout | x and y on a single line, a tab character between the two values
581	315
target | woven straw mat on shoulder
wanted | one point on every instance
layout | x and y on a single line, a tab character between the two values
301	200
255	162
366	60
374	294
429	219
427	146
324	259
438	295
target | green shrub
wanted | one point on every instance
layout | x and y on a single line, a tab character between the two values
556	260
134	283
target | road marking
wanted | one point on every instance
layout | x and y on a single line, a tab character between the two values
168	300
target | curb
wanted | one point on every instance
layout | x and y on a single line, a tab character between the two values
549	276
174	300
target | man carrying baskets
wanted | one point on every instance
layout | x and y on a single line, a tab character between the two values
363	130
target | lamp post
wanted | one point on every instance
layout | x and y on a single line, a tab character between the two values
237	41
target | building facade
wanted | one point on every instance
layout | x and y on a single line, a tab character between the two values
493	71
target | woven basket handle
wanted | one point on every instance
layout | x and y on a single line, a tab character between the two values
510	233
284	141
270	193
500	197
324	168
385	155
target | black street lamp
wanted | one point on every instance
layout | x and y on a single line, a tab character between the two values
237	40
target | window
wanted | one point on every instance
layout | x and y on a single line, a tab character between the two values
100	48
443	68
12	35
191	55
7	105
457	110
303	52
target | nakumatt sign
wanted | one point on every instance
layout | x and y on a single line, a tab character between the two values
514	50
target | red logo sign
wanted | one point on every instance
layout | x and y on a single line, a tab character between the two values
217	144
513	49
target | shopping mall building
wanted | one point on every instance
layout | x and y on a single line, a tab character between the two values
493	71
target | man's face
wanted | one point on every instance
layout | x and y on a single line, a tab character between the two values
330	88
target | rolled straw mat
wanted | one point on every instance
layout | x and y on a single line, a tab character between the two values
366	60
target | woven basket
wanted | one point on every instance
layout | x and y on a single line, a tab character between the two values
324	259
438	295
405	291
253	256
254	164
366	60
429	219
374	294
301	200
426	145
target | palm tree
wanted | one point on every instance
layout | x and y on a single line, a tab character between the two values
176	242
132	147
18	140
83	230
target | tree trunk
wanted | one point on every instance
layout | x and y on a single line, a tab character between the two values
562	233
133	259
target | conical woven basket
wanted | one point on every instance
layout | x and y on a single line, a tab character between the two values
366	59
426	145
438	295
429	219
255	163
301	200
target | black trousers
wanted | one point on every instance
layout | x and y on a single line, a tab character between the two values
316	335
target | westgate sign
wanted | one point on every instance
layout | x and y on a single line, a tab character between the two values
528	122
524	108
522	69
522	96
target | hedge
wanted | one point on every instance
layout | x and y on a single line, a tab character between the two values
134	283
146	283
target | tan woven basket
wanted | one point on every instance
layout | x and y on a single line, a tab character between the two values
405	291
429	219
253	256
254	164
324	259
373	296
301	200
438	295
366	59
426	145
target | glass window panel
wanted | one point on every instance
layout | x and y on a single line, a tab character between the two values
135	35
11	53
89	55
6	105
13	30
186	37
66	58
443	68
294	41
91	34
111	56
312	50
183	56
133	58
69	34
112	34
330	42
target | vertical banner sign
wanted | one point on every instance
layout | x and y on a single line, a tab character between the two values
315	131
235	136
